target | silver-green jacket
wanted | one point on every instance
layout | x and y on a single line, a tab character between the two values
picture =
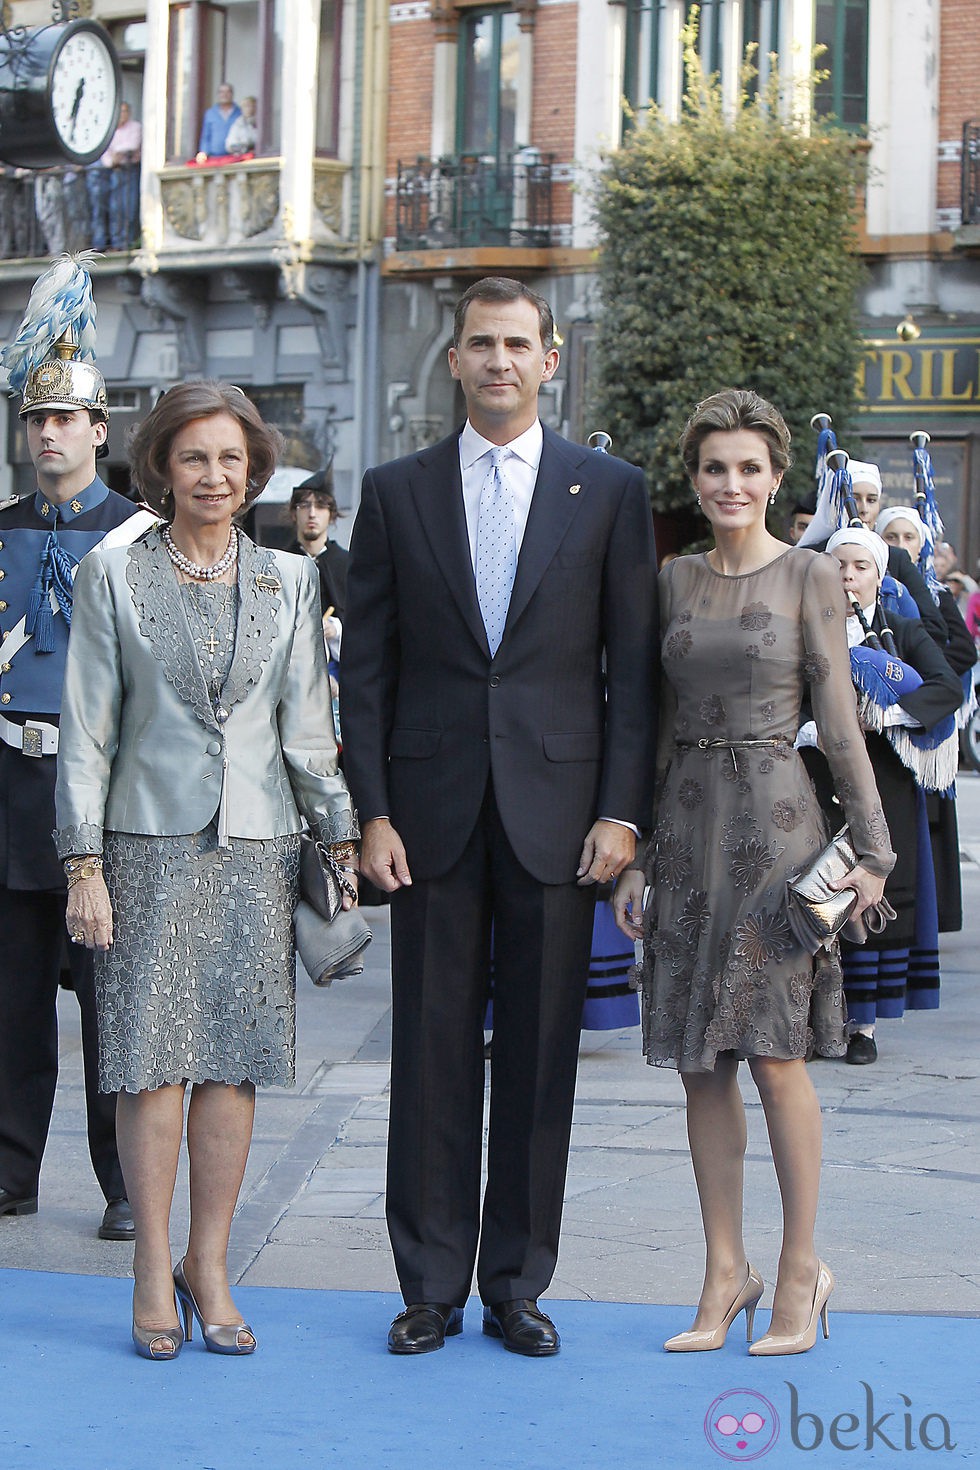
143	749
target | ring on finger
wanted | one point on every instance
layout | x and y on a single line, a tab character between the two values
78	938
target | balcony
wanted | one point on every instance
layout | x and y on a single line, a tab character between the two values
971	172
966	235
474	212
217	214
471	201
61	209
236	210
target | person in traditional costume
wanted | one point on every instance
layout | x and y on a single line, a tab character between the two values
43	537
908	697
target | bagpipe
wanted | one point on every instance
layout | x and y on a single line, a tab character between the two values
924	490
837	510
879	674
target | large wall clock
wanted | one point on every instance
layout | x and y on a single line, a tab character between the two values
59	94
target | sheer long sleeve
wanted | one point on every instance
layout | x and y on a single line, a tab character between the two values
828	671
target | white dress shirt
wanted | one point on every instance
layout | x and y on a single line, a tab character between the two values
519	469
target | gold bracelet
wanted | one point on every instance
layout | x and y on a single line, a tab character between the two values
77	868
342	852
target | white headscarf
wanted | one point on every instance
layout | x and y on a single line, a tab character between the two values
903	513
863	470
861	536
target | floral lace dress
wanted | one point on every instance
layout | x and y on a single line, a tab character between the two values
721	971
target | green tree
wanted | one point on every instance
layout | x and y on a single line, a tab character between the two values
728	258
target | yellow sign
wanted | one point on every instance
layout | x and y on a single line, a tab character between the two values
938	373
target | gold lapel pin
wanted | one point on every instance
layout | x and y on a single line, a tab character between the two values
574	489
267	584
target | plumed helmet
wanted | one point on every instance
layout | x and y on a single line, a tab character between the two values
51	362
62	381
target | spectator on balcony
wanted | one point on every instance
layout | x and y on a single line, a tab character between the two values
244	130
123	157
113	187
49	207
15	213
217	122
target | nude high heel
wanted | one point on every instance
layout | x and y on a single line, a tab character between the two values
705	1341
223	1337
775	1345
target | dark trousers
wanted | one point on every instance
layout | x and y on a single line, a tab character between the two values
34	942
441	930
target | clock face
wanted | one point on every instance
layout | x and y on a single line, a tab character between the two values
84	94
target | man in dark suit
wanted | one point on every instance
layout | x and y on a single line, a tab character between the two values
499	675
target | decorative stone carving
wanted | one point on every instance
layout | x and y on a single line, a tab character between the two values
325	292
221	205
180	300
259	201
328	198
260	288
446	17
185	205
424	432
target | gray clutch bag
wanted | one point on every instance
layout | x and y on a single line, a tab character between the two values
329	938
817	913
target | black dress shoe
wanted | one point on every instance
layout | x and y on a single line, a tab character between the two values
423	1327
17	1204
524	1328
861	1050
117	1222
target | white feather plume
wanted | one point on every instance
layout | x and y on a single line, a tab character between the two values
61	298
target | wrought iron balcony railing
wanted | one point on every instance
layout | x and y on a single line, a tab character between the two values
62	209
971	172
449	203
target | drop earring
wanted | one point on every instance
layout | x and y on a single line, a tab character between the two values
698	499
772	498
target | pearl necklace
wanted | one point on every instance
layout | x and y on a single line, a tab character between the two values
191	569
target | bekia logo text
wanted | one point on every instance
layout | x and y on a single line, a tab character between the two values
900	1429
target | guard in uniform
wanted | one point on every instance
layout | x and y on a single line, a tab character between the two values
43	537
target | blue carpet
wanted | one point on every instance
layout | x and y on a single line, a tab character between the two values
322	1391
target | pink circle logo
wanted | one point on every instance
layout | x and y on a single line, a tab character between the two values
741	1425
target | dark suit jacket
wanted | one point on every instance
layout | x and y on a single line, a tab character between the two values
563	716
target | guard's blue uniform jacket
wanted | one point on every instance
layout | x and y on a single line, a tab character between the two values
31	682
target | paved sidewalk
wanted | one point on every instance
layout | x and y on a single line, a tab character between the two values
902	1162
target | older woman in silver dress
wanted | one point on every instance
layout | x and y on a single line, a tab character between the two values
196	736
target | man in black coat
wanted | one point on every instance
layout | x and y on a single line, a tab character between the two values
312	511
499	672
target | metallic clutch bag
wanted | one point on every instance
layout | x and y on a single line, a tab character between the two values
816	913
322	882
329	938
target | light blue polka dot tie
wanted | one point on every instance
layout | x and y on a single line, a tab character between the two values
496	550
